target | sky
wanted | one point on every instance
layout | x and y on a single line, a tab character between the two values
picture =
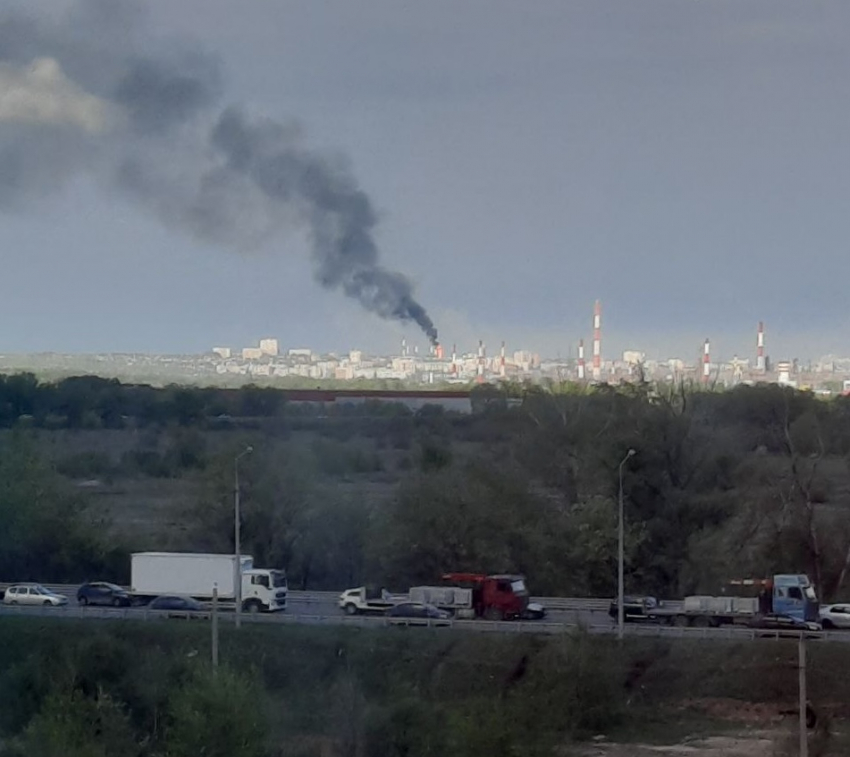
686	163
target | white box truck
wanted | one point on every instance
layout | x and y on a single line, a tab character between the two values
153	574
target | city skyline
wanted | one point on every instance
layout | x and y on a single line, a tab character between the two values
682	163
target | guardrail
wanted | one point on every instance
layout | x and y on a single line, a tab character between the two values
479	626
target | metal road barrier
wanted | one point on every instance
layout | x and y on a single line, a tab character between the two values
480	626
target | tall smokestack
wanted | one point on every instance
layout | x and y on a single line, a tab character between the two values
438	351
502	368
581	371
760	364
597	340
480	377
403	347
706	362
454	359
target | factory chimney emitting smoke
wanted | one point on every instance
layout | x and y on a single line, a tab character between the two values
597	340
581	373
760	361
90	91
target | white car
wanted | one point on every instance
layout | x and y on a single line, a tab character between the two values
835	616
32	594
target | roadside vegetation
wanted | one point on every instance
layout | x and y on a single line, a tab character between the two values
75	688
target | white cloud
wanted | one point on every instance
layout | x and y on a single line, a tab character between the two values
41	93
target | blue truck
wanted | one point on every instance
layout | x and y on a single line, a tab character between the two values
784	601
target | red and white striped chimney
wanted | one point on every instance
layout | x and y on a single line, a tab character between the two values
480	377
760	363
597	340
706	362
581	359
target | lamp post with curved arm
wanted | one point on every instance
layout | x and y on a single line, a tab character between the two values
237	534
621	613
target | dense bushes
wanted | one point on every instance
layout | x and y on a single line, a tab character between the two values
149	690
144	689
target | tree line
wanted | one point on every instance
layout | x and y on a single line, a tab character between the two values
728	484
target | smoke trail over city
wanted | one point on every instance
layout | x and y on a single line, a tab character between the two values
91	93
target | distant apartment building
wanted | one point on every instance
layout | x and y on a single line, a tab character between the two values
269	347
251	353
301	352
222	352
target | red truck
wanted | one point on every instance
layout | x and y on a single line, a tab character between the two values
495	597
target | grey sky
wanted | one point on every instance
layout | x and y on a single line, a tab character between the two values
684	162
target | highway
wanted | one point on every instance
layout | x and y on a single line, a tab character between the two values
320	608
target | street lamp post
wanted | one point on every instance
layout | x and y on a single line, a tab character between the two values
237	534
621	613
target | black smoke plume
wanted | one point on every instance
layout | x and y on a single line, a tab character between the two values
91	92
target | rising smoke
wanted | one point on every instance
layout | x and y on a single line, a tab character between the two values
90	92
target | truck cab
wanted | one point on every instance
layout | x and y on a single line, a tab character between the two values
264	590
498	597
789	594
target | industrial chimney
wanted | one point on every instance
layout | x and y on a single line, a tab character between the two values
597	340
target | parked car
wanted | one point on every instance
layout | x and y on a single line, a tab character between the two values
835	616
33	594
418	614
103	593
175	606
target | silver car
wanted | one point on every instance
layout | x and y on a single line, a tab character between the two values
835	616
33	594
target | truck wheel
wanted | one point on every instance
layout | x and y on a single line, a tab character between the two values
350	609
83	601
682	621
701	621
253	607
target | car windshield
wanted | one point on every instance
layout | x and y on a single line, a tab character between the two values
278	579
112	587
810	593
518	586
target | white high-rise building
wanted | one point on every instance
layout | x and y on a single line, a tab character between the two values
269	347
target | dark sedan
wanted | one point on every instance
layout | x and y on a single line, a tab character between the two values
788	623
635	609
102	593
418	614
175	606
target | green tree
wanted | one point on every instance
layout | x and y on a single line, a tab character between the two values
70	724
217	714
48	532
